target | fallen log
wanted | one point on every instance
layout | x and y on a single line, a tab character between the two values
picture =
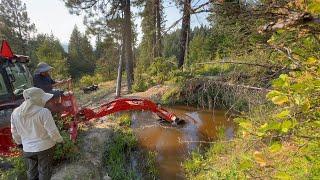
223	83
242	63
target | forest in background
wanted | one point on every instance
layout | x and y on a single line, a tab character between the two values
258	59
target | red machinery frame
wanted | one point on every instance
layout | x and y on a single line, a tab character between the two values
87	114
117	105
71	109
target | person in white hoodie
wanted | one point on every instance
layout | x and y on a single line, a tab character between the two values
33	128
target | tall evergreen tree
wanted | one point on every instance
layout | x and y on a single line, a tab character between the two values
51	52
17	27
152	26
109	16
80	55
107	62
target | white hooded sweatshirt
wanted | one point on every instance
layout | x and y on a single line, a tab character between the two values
32	125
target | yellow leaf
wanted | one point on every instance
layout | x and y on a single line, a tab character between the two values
279	100
311	61
284	114
282	176
260	159
275	147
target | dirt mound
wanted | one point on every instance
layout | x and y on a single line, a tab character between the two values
154	92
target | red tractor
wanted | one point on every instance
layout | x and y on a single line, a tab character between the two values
15	77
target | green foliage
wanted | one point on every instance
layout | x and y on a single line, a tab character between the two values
171	44
81	57
140	83
193	165
107	58
284	136
67	150
17	172
124	120
15	25
49	50
160	68
198	50
88	80
117	153
152	170
171	96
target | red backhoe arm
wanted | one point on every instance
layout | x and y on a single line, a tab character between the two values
125	104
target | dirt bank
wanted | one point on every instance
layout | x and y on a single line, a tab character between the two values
153	93
90	162
92	140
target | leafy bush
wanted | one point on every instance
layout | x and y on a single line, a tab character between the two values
124	120
282	141
160	68
18	170
140	83
88	80
67	150
171	96
117	153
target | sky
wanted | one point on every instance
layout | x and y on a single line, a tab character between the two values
52	17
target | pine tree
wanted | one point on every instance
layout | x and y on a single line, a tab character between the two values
152	26
51	52
17	26
106	64
109	17
81	57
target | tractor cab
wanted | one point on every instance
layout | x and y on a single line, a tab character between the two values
14	78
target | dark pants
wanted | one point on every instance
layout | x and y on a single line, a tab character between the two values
39	164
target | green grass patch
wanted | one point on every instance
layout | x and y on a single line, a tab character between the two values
17	169
117	154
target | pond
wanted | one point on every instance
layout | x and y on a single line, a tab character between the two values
174	144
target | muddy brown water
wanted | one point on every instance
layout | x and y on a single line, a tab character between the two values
174	144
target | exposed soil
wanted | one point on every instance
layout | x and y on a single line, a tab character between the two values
153	93
90	162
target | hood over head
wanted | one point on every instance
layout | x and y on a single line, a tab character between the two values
35	99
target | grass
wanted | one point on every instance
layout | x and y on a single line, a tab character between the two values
118	151
18	170
122	149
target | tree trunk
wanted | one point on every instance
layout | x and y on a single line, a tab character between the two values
185	30
128	44
119	77
159	19
154	30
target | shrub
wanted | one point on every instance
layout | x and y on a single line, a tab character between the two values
160	68
140	83
18	170
116	156
68	150
89	80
